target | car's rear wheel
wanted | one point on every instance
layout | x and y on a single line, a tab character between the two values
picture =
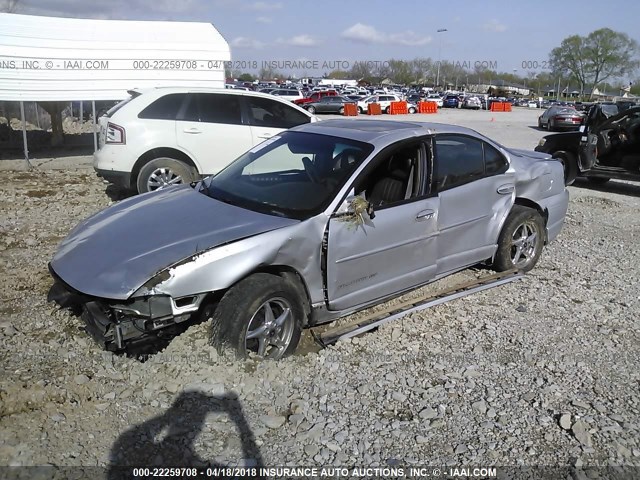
361	110
412	110
550	125
387	110
341	111
163	172
598	180
261	314
521	240
539	123
311	110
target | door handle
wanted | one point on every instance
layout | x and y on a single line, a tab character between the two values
192	130
265	135
425	215
506	189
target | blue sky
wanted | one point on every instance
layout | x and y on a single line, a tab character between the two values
505	33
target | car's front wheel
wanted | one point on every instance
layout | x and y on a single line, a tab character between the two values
311	110
261	314
341	111
412	110
521	240
163	172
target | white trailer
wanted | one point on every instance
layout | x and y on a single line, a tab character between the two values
49	59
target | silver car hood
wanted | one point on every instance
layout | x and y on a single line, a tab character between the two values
113	253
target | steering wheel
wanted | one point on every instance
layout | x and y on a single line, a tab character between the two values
310	170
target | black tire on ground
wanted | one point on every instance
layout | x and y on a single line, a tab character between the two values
341	111
412	110
521	240
311	110
570	165
549	125
361	110
164	171
242	311
539	123
598	180
387	110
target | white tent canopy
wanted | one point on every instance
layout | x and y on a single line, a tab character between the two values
65	59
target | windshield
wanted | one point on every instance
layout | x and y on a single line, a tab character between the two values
293	174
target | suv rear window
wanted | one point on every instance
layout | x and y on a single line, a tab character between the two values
265	112
164	108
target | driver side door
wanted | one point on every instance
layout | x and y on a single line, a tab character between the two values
396	249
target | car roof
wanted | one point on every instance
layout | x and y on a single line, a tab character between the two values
380	131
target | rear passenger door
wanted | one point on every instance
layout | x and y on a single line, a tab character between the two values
209	129
476	191
269	117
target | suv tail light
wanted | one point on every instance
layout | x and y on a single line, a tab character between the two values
115	134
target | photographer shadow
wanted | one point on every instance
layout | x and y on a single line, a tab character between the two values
168	440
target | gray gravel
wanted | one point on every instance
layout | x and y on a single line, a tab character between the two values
538	372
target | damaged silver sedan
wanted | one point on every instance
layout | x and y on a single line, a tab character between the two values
309	226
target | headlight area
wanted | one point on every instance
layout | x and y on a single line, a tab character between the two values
141	322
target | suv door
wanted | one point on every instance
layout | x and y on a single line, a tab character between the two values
476	191
396	249
210	130
268	117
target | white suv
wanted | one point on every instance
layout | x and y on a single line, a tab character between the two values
165	136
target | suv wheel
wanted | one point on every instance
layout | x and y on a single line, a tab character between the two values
163	172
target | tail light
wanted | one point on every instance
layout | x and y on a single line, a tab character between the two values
115	134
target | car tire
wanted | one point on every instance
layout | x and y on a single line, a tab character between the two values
521	240
162	172
540	124
549	125
412	110
570	166
361	110
598	180
242	310
341	111
387	110
311	110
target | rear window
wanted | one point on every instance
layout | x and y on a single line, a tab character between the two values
164	108
265	112
121	104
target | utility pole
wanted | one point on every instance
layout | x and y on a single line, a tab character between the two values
440	30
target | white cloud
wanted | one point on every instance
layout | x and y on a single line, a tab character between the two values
246	42
264	19
494	26
363	33
409	39
367	34
263	6
300	41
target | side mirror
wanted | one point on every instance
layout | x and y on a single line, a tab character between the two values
356	210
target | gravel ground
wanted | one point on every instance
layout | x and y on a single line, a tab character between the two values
543	371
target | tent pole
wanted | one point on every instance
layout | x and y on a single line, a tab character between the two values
95	123
24	135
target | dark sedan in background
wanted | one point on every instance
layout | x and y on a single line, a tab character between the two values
334	104
557	118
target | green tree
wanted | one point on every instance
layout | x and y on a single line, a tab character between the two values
246	77
603	54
